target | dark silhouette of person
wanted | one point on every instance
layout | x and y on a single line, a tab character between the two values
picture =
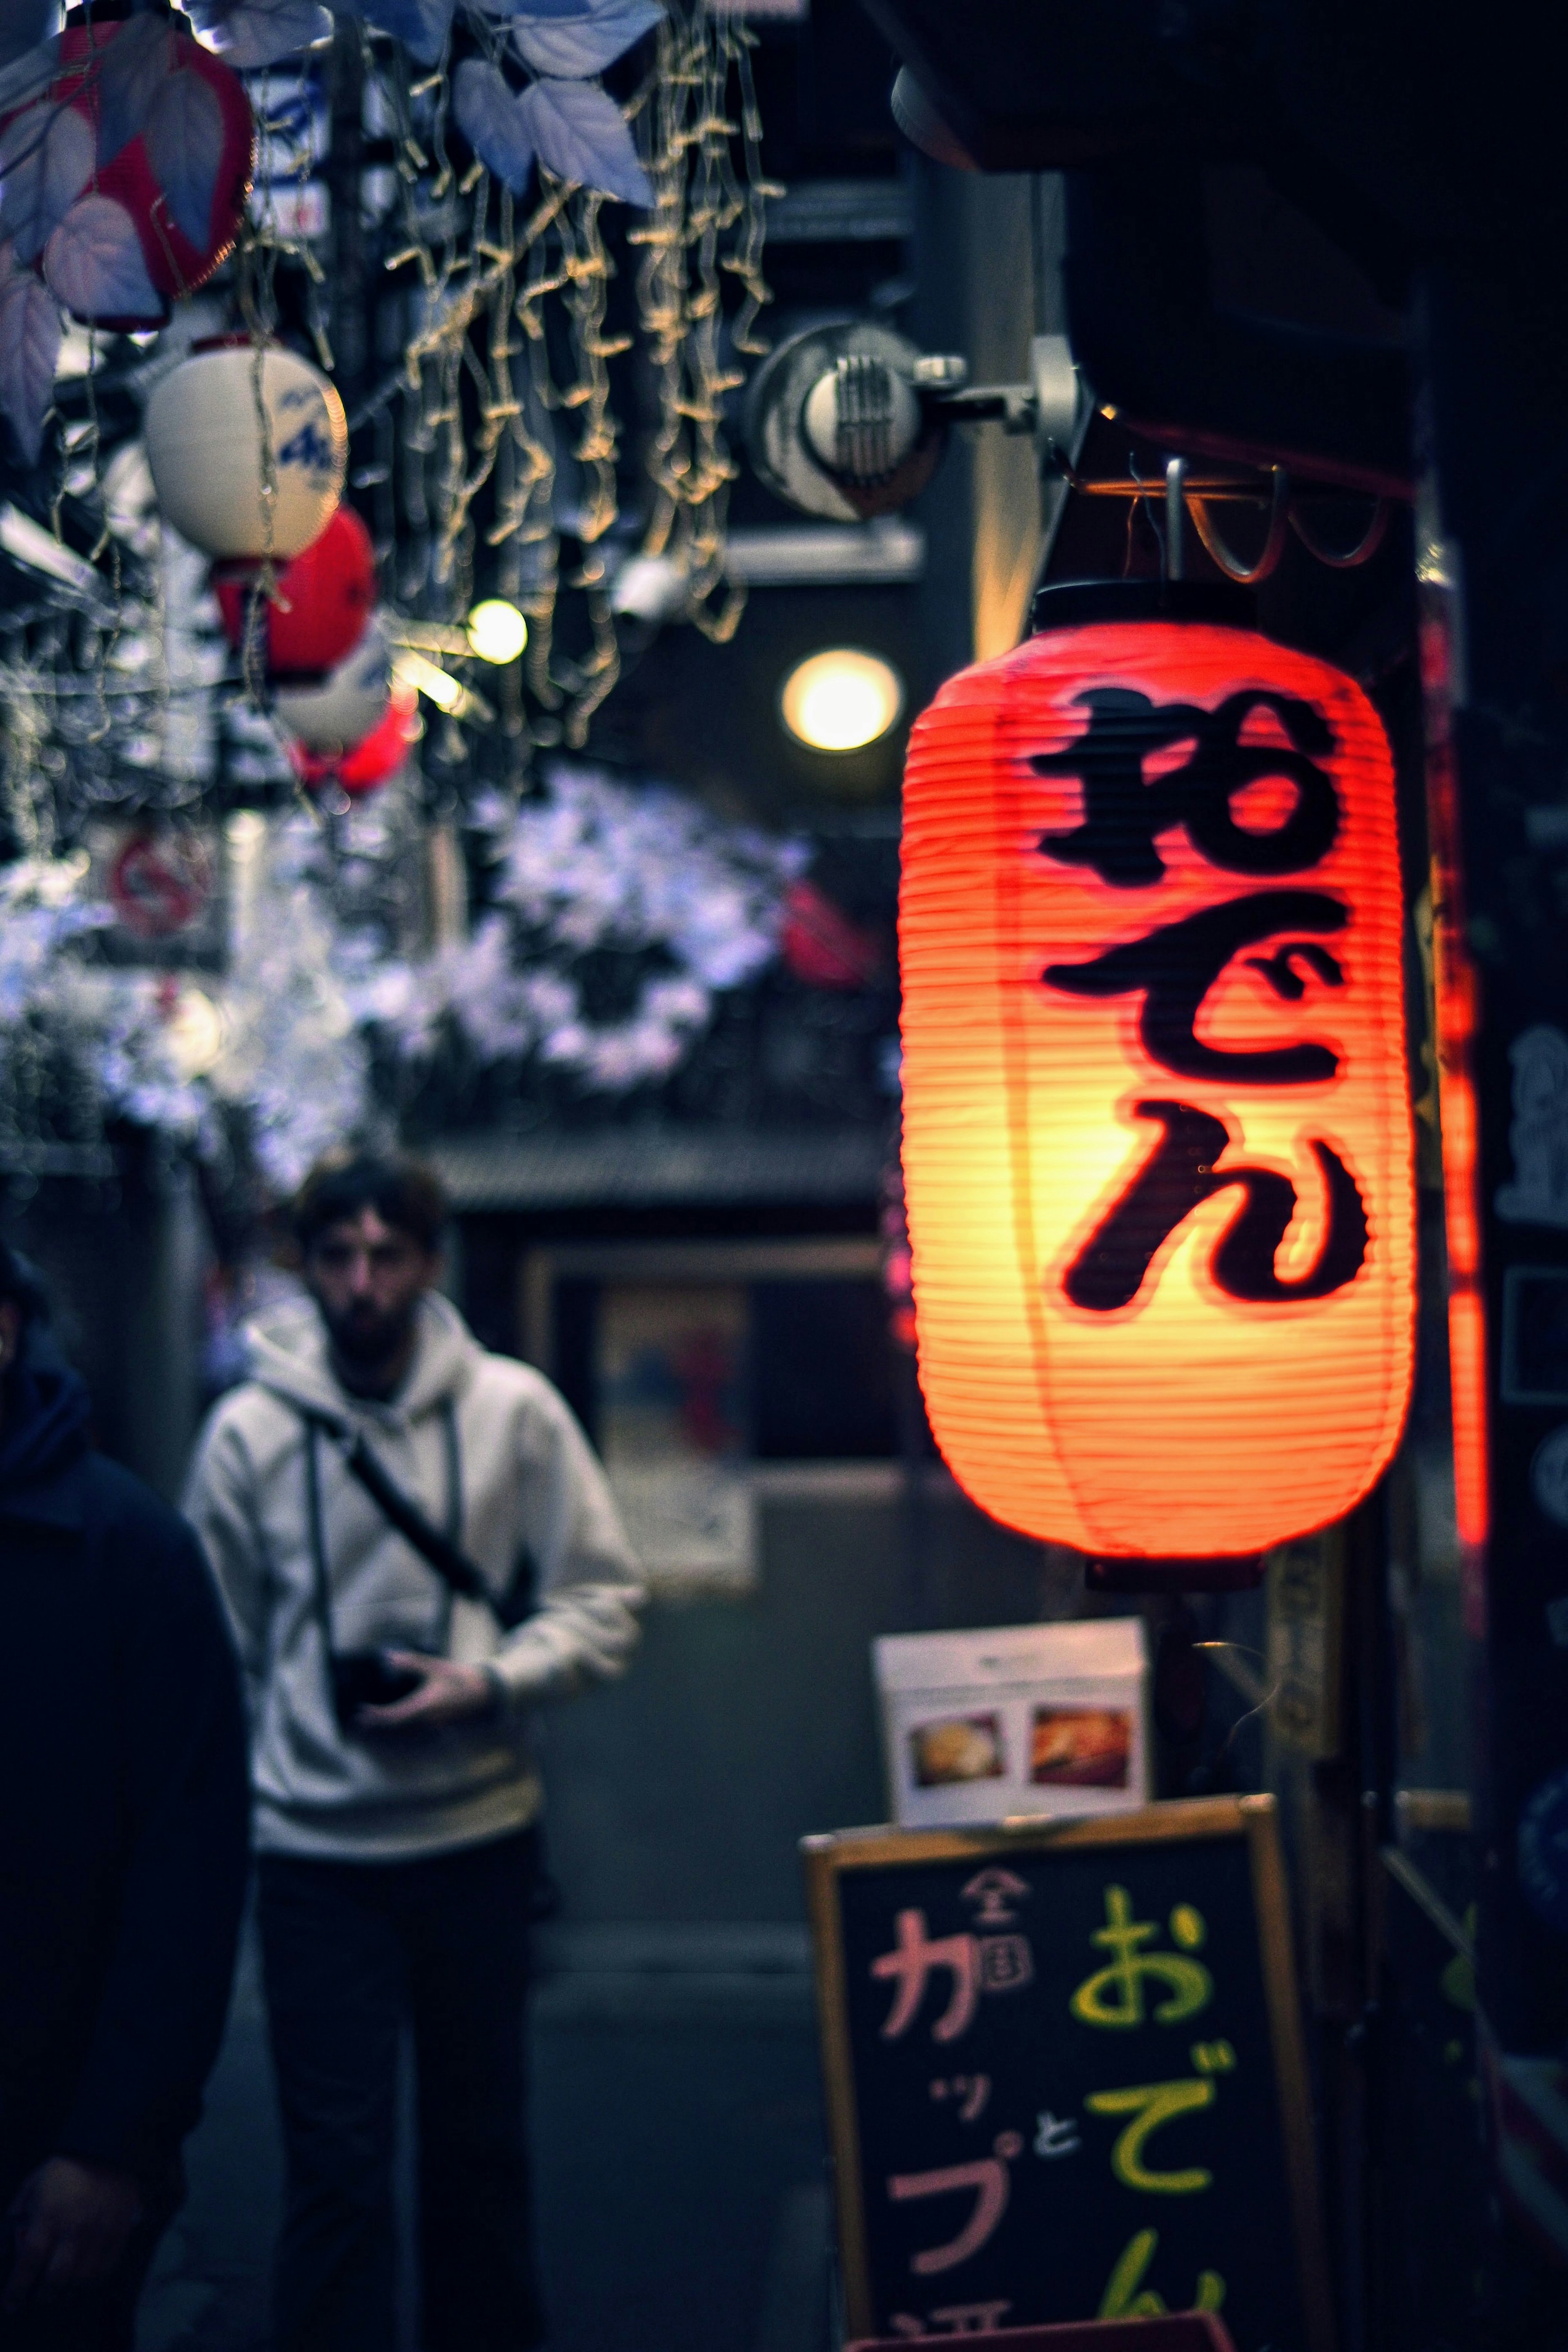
123	1852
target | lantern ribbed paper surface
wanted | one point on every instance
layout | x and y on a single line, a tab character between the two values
1157	1136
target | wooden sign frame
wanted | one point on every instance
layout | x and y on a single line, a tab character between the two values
1253	1818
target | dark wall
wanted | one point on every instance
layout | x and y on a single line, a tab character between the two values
682	1793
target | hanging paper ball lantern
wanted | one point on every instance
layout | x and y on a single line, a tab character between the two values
322	602
379	758
153	222
371	764
205	447
329	720
1156	1134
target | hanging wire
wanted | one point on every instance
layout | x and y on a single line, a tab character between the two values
1247	574
1263	1706
1362	553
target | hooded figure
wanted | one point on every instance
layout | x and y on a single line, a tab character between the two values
122	1853
396	1797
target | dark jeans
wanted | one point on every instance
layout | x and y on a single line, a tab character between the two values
352	1952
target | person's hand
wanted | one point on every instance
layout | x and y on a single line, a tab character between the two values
447	1692
71	2223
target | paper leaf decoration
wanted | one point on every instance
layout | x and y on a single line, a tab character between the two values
94	263
184	145
23	24
490	115
258	33
30	347
46	162
555	9
132	69
25	76
575	46
421	26
580	135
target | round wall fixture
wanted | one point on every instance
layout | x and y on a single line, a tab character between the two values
496	631
841	701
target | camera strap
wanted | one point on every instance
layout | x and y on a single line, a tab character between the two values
403	1513
442	1550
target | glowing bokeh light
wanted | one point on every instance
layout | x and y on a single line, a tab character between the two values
841	701
496	631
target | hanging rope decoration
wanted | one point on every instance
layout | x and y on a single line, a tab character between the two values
700	201
499	275
497	432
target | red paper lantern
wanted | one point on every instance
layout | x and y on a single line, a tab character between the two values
323	601
179	253
372	762
1156	1134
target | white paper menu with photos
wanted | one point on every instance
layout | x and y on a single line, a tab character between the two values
1016	1719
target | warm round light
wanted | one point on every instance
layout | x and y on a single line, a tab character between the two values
841	701
496	631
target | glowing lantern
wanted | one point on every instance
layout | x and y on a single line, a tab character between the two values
199	125
1157	1137
329	720
229	492
321	604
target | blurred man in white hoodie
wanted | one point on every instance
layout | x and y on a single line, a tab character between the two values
395	1799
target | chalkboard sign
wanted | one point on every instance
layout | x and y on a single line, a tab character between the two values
1064	2075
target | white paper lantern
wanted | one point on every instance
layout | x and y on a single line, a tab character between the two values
351	699
204	445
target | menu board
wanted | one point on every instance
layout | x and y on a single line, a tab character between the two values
1065	2077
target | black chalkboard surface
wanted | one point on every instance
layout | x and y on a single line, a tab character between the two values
1064	2075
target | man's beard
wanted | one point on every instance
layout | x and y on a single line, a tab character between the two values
367	1337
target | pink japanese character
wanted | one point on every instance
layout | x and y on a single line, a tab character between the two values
1007	1963
971	2090
992	2184
911	1964
994	1890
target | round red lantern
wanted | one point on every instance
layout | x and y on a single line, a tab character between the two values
371	764
1156	1134
320	609
154	221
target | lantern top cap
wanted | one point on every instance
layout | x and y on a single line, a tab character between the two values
1072	604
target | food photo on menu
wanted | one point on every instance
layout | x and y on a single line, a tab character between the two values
962	1748
1081	1747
